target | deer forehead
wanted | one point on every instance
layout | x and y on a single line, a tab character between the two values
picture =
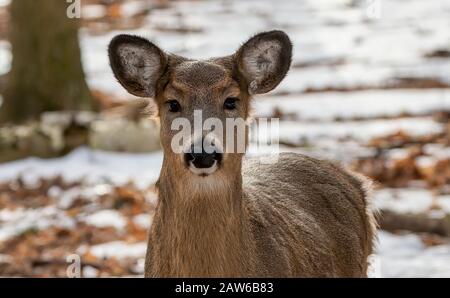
200	76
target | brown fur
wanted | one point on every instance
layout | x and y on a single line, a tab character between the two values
297	217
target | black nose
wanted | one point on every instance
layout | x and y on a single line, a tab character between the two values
202	160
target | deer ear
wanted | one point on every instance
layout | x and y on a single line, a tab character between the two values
137	64
264	60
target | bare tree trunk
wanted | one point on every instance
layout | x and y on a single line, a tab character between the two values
46	73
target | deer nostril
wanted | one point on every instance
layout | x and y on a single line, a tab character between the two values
217	156
203	160
189	157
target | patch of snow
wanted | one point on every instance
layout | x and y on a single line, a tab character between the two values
15	222
346	76
438	151
90	272
406	256
93	11
119	250
91	165
65	198
4	259
131	8
403	200
140	266
397	153
5	56
294	131
363	104
143	221
106	218
424	162
411	200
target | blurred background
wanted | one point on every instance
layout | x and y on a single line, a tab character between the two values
369	86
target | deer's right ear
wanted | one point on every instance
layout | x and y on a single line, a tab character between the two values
137	64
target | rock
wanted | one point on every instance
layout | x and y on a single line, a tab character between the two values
58	133
125	135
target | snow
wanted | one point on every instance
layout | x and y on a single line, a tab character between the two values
322	31
364	104
5	56
322	34
397	255
437	150
89	165
15	222
5	259
412	200
358	130
406	256
131	8
107	218
118	249
93	11
90	272
143	221
336	45
95	168
65	198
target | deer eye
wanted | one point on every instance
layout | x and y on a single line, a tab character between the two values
174	106
230	103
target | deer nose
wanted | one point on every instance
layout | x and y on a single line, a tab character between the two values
202	160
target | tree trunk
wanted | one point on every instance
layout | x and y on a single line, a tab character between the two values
46	73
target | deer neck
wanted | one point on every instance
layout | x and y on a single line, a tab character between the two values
200	228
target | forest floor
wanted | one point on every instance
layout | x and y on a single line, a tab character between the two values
372	93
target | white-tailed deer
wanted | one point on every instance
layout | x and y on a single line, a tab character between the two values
221	216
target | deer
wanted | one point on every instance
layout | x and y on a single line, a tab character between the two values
221	213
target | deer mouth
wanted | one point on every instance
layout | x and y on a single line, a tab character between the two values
203	172
203	164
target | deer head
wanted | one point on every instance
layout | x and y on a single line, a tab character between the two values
218	88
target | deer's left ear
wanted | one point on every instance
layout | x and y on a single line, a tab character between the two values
264	60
